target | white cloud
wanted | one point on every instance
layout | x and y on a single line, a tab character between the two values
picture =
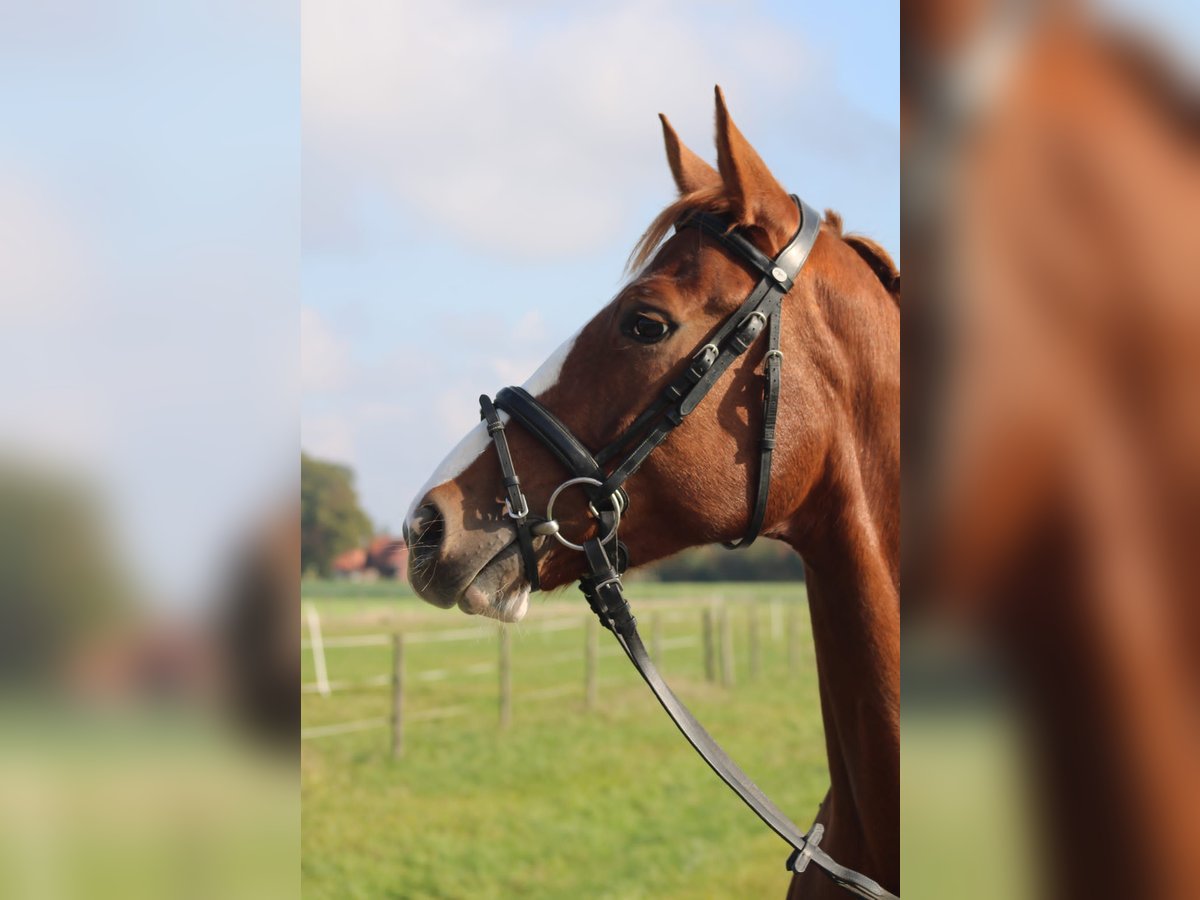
501	124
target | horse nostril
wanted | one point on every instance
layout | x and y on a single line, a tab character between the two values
426	531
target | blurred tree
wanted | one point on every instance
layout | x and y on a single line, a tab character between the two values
59	578
331	520
763	561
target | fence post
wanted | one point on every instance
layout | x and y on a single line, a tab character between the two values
505	677
793	640
591	652
656	638
755	650
397	695
726	647
776	620
710	663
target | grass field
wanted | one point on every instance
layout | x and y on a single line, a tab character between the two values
566	802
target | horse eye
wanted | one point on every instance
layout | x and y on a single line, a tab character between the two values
645	329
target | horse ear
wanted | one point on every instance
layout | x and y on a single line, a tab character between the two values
690	171
755	197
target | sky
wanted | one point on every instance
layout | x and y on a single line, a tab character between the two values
213	243
475	177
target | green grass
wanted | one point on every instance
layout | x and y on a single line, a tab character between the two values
566	802
965	820
354	590
140	804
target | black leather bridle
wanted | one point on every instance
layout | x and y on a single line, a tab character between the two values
602	481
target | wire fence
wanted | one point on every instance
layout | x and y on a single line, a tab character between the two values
714	635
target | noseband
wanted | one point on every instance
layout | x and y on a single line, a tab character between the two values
602	481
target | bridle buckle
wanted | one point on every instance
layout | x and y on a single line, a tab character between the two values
704	358
756	314
519	514
618	503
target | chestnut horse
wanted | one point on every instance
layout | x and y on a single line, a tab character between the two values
834	493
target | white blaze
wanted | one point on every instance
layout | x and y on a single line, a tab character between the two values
476	441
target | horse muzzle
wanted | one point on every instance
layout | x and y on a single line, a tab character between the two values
477	569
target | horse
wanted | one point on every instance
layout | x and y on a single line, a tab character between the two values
834	488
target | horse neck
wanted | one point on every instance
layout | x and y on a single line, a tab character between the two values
847	531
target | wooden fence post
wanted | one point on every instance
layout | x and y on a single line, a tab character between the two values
505	677
591	654
755	649
710	663
397	695
726	647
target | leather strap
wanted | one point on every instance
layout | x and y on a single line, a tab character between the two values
517	506
558	438
605	595
719	227
602	587
759	311
793	257
773	367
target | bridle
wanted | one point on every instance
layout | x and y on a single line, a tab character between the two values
603	480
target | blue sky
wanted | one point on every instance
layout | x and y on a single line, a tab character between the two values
474	179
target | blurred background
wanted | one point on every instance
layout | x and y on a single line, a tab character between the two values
149	270
1051	695
484	172
151	605
475	176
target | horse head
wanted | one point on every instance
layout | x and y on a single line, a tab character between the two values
700	486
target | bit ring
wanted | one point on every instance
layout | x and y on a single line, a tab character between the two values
550	511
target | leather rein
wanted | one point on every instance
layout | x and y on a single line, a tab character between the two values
602	482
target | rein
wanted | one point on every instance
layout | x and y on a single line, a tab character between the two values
602	482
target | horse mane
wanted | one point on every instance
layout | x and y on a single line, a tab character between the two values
879	261
872	254
714	200
708	199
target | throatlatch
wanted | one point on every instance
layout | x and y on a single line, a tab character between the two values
602	481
